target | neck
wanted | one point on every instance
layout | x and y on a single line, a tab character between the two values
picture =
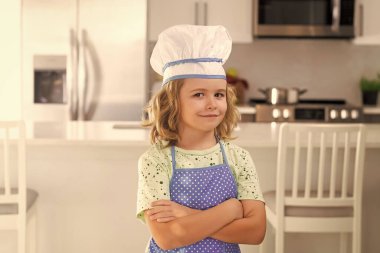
196	140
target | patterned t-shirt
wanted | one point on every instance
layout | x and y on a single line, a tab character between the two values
155	171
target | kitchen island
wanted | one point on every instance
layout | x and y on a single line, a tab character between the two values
86	176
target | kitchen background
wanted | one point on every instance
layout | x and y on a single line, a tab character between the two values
326	68
110	53
85	170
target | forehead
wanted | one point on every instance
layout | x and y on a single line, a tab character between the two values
204	83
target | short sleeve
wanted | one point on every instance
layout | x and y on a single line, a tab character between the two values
153	183
246	176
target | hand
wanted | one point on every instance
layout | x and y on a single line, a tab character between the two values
236	207
166	210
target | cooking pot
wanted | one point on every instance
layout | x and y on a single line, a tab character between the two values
294	94
277	95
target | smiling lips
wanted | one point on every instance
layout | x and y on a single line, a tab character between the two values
210	115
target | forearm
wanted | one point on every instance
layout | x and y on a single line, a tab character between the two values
248	230
193	228
244	231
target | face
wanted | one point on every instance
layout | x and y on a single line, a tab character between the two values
203	104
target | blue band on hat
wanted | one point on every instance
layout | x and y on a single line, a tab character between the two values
193	76
191	60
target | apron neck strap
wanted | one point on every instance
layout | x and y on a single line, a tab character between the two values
225	161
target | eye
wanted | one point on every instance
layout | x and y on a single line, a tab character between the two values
199	94
220	95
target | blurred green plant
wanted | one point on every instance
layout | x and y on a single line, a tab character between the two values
367	84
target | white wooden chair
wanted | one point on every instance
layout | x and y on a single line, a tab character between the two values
318	183
15	198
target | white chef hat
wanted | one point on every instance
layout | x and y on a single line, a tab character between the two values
191	51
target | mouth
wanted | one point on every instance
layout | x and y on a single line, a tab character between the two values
210	115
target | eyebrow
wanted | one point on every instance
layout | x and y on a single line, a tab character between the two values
201	89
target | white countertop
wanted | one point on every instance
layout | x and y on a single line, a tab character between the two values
131	133
371	110
246	109
87	133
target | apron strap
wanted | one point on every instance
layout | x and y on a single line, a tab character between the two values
225	161
173	158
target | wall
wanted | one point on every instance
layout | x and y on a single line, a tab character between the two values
10	88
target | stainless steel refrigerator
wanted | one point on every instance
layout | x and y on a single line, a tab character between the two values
83	59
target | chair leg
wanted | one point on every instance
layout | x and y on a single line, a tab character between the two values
356	242
21	234
31	243
279	244
343	242
357	233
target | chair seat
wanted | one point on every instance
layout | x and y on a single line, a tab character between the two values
31	197
303	211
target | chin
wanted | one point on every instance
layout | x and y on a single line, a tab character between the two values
208	126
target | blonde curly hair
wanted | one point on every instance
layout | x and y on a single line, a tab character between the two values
163	110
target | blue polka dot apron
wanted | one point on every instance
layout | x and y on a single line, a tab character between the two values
201	188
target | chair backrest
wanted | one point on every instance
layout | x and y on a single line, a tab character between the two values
12	164
320	165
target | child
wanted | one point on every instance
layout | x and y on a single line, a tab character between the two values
197	191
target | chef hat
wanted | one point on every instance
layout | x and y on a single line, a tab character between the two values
191	51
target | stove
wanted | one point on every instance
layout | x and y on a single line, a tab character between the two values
308	110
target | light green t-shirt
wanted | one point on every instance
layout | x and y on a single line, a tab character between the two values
155	171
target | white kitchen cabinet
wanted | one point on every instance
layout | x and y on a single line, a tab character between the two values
10	78
368	23
166	13
234	15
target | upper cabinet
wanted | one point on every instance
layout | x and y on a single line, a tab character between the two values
368	23
236	16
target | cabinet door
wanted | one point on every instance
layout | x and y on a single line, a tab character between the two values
166	13
235	15
371	17
368	23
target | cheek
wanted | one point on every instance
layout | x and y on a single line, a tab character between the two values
187	111
195	106
223	107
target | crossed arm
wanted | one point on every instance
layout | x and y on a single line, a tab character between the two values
173	225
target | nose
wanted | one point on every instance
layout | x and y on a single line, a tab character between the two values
211	104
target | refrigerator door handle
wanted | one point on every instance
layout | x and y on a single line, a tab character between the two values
336	8
91	78
72	76
82	76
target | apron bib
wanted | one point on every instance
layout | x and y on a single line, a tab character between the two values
201	188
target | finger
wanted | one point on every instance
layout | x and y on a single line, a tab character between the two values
167	219
161	202
158	209
160	215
